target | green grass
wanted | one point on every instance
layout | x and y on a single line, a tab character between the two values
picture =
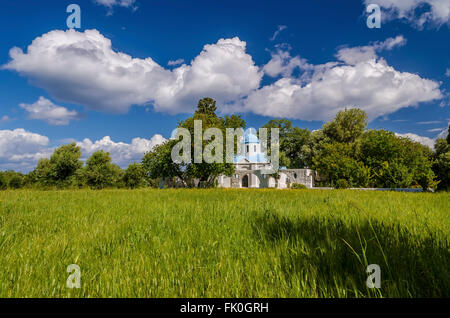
224	243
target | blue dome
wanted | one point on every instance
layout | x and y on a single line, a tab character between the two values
251	139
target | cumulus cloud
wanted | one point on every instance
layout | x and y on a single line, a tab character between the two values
354	55
282	63
20	149
82	68
416	12
53	114
121	153
360	79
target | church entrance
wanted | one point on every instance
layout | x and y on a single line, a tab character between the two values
245	181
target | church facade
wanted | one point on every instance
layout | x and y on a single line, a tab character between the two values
251	165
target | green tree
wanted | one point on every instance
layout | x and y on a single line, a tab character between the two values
134	176
234	121
3	183
44	174
100	173
336	161
292	145
394	161
158	164
441	163
16	181
60	168
208	172
207	106
347	126
65	161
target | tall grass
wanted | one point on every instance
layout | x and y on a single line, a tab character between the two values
224	243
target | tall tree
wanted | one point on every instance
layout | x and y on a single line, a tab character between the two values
347	126
65	161
100	173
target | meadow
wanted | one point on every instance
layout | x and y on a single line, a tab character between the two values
224	243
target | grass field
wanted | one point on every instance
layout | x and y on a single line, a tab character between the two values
224	243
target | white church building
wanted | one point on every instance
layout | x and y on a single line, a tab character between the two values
251	165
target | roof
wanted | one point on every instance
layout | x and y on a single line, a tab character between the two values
251	139
256	158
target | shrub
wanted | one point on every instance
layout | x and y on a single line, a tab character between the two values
342	184
3	183
15	182
298	186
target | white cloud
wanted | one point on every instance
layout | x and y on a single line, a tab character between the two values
5	119
361	80
432	122
112	3
435	129
117	3
354	55
82	68
20	149
420	139
282	63
416	12
277	32
121	153
53	114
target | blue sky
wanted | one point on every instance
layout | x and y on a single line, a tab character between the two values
73	86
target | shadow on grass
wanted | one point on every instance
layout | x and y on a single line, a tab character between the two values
332	256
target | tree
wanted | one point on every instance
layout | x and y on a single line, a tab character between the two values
65	161
16	181
441	163
43	174
292	139
394	161
208	172
292	145
234	121
134	176
207	106
347	126
448	135
158	163
336	161
100	173
3	184
60	168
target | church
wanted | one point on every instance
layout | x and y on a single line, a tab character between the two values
250	165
